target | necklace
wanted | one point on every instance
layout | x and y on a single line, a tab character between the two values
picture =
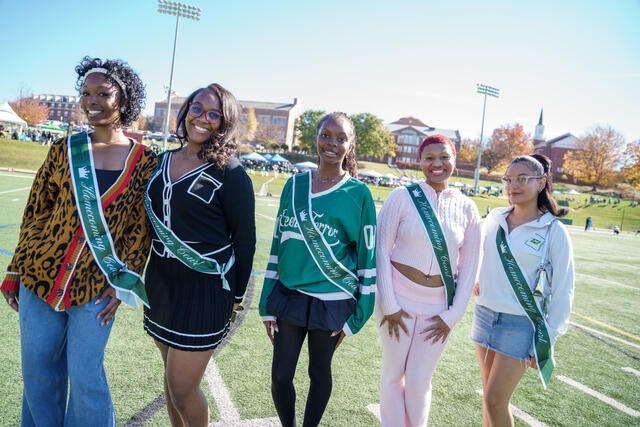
330	179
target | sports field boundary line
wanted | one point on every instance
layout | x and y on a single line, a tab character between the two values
608	262
606	281
519	413
14	190
606	399
592	333
605	325
9	169
18	176
149	410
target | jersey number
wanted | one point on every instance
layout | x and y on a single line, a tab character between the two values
369	236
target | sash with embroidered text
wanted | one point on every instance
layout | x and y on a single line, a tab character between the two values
436	236
336	273
128	285
179	249
542	344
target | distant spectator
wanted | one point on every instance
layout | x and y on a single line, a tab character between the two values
616	229
588	223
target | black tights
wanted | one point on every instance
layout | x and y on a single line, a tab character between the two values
287	345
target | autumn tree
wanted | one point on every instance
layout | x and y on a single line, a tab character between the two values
251	125
372	139
30	110
597	157
468	152
631	169
506	143
268	132
305	128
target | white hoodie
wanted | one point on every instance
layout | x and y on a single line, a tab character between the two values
526	243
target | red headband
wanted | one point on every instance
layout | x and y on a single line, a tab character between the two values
436	139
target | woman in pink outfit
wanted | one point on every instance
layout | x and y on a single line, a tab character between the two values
422	296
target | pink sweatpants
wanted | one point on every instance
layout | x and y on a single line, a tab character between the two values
408	364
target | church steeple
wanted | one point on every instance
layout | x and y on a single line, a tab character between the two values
538	136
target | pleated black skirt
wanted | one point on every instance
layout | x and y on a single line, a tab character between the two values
188	310
308	312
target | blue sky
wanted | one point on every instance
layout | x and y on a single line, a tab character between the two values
580	60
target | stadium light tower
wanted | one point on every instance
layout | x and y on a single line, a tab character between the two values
483	90
179	10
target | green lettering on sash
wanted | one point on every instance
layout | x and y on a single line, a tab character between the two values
128	285
436	236
542	343
331	268
179	249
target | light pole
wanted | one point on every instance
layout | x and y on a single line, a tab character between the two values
186	11
491	91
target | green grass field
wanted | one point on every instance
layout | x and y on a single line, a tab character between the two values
604	338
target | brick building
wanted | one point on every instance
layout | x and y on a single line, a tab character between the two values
64	108
276	120
554	148
409	132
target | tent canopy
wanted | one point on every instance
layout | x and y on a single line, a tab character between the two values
572	192
253	156
277	158
305	165
267	156
371	173
7	115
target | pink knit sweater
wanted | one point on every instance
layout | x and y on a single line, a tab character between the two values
401	237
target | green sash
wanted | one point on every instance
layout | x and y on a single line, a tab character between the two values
331	268
179	249
436	236
542	343
128	285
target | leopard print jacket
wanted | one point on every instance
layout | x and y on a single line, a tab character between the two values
52	258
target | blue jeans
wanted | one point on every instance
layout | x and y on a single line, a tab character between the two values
60	348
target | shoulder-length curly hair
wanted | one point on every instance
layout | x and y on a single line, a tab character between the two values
223	143
130	105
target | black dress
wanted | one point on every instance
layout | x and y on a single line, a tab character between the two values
212	211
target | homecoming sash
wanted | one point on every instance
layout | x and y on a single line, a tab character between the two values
331	268
128	285
542	344
179	249
436	236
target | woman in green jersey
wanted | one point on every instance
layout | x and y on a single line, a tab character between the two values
320	280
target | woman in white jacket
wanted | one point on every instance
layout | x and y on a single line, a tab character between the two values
511	328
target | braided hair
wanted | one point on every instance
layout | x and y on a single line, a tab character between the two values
349	163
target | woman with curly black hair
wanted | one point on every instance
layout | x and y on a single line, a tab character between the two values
83	245
201	206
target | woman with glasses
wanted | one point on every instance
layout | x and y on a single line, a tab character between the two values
525	289
201	206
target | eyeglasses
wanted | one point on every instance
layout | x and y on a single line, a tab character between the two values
520	179
211	116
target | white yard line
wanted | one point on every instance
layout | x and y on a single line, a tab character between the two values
229	415
13	191
633	371
599	396
608	281
374	408
595	331
519	413
607	262
265	216
18	176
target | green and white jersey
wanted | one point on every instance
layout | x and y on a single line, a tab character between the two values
345	215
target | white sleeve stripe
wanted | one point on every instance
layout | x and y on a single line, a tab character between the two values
13	272
367	289
273	259
367	273
272	275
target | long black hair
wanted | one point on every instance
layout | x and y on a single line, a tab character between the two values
349	163
224	142
132	101
540	164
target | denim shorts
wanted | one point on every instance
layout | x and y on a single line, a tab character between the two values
508	334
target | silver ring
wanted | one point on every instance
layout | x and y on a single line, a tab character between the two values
11	300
